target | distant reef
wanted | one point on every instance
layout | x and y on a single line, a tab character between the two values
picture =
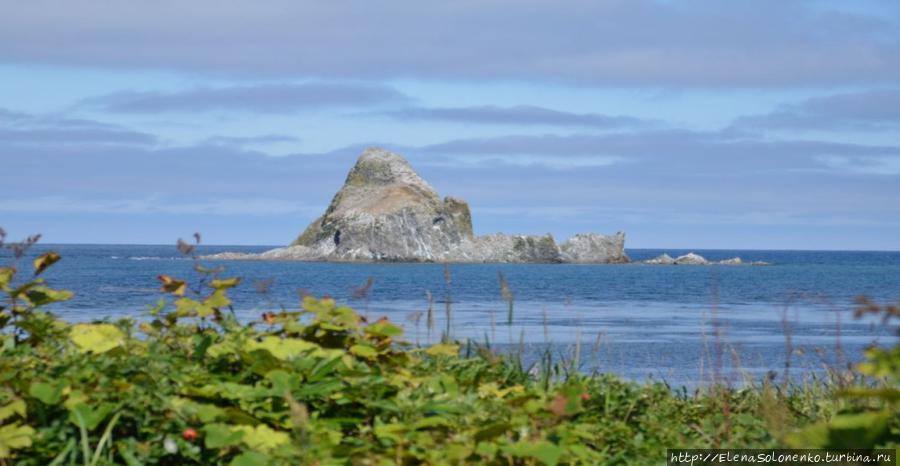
385	212
696	259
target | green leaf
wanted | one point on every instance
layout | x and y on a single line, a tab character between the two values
92	416
543	451
283	348
443	349
41	295
96	338
262	437
393	431
250	458
364	351
221	435
385	329
491	431
46	393
6	276
225	283
217	299
16	407
13	437
44	261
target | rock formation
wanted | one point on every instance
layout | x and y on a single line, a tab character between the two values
386	212
696	259
663	259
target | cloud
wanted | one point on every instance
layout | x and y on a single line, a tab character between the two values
634	42
154	205
527	160
518	115
250	140
866	110
22	128
862	165
261	98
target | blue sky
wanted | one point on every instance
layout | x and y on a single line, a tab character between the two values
697	124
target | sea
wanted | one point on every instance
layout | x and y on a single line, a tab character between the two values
683	325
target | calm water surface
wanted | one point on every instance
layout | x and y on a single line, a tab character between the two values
638	321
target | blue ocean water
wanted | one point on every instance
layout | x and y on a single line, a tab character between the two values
683	324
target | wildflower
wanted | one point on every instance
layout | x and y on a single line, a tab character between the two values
170	446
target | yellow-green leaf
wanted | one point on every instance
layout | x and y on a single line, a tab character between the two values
16	407
225	283
6	276
97	338
41	295
44	261
283	348
262	437
443	349
217	299
364	351
13	437
384	328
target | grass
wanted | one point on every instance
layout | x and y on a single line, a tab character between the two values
321	384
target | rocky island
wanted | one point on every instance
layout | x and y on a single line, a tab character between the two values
386	212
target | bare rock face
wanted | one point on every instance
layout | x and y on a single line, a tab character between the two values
386	212
691	259
508	248
591	248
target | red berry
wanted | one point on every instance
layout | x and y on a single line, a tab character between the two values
585	396
189	434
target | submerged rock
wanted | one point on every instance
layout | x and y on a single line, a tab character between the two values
386	212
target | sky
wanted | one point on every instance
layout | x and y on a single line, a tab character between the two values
763	124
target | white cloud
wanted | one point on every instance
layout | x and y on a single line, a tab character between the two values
863	164
155	205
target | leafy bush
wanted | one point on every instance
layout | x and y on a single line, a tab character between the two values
321	385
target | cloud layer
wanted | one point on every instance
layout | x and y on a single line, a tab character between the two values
633	42
260	98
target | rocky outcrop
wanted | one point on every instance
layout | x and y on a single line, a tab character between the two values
508	248
663	259
593	249
386	212
691	259
696	259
